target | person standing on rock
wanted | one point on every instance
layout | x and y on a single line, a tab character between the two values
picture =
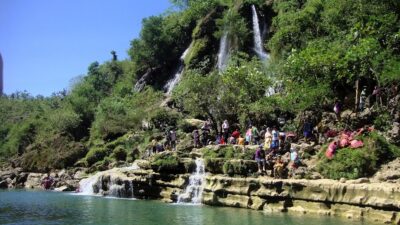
363	98
337	109
260	159
267	139
249	135
173	139
225	130
255	135
196	138
307	130
275	139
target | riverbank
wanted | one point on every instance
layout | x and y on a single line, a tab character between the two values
361	199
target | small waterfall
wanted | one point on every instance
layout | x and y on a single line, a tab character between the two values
177	77
258	43
109	183
194	191
223	52
86	185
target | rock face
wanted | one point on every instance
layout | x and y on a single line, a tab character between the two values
63	180
354	199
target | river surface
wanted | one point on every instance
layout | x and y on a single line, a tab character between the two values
41	207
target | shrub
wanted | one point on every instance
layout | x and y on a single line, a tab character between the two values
382	121
239	167
362	162
165	163
119	154
214	165
96	154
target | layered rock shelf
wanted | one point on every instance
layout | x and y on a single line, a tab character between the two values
360	199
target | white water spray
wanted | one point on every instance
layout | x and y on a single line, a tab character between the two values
258	43
177	77
94	185
223	52
194	191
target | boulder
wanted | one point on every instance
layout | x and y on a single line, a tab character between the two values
21	178
143	164
194	122
34	180
388	172
394	133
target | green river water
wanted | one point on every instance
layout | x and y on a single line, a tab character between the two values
40	207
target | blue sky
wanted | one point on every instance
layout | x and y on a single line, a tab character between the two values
46	43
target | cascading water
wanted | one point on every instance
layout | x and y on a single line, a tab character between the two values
105	183
177	77
223	52
258	47
194	191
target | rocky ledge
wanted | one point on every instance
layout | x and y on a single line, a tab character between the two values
361	199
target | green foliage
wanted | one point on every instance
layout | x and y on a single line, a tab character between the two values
227	152
162	119
382	121
115	116
218	96
119	154
165	163
234	25
361	162
96	154
239	167
319	49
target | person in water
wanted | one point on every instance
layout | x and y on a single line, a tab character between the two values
47	182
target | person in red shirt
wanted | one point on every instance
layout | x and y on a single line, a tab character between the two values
236	134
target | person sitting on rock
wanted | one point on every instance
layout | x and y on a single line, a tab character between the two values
279	167
240	141
260	158
236	134
231	140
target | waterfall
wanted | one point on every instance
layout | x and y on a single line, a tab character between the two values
86	185
109	183
194	191
177	77
223	52
258	43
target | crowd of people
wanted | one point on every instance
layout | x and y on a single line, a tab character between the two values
272	144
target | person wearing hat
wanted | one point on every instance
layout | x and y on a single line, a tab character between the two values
260	158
